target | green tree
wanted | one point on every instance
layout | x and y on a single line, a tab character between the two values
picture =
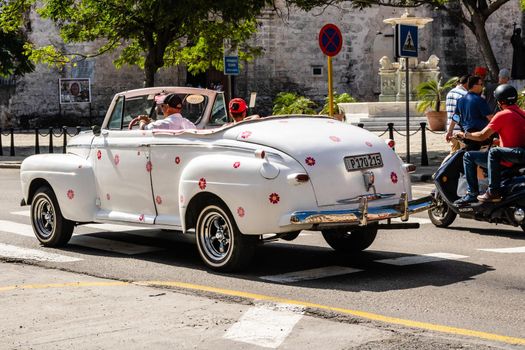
472	13
149	33
13	59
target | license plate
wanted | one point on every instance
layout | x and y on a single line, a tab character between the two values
363	161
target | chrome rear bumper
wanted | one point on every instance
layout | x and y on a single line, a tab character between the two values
364	214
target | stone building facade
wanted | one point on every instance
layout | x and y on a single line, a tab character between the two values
291	60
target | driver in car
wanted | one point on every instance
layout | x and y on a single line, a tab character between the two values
171	107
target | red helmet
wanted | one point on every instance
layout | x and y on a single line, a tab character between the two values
237	105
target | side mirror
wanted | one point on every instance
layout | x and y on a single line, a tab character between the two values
96	130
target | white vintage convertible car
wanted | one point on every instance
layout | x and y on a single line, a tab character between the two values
231	185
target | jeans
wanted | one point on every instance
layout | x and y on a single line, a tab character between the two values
490	160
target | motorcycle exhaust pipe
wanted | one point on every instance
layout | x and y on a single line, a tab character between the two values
519	215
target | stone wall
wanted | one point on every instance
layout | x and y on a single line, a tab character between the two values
291	52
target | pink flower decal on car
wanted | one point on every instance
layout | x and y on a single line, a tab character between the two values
181	199
369	144
158	199
177	160
202	183
241	212
149	166
236	165
335	139
70	194
274	198
141	217
246	134
309	161
117	159
108	196
393	177
99	155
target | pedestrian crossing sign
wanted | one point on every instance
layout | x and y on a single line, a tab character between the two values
406	41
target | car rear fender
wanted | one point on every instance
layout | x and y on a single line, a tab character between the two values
70	177
256	202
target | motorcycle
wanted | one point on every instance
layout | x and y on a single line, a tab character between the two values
451	185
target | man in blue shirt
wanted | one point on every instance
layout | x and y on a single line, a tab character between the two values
474	112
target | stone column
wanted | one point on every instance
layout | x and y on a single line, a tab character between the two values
388	78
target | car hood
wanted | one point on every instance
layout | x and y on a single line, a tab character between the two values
320	145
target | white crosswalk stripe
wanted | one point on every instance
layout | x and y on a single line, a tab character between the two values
311	274
420	259
505	250
265	326
83	240
14	252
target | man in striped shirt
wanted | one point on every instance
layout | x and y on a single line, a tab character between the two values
452	98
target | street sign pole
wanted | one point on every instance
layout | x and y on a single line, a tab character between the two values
407	91
407	46
330	42
330	88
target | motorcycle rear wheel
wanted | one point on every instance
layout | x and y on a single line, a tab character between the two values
441	215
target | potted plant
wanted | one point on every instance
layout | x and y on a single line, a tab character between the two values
431	95
337	98
291	103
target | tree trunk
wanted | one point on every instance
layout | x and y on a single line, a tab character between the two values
484	44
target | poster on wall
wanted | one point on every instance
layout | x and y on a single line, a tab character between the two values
76	90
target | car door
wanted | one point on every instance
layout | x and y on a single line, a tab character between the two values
122	169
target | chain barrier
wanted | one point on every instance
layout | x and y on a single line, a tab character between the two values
64	133
405	135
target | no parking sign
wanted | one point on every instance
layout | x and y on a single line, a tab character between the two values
330	40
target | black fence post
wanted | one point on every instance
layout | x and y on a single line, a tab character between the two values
361	125
391	131
424	155
12	148
1	147
50	140
64	140
37	144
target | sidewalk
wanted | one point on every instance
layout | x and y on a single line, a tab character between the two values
437	149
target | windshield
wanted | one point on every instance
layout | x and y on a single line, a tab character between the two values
126	109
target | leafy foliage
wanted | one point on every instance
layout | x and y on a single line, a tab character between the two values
13	59
292	103
521	99
432	93
149	33
342	98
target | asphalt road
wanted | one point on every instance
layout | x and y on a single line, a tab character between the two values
428	288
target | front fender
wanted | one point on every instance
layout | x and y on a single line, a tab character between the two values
71	178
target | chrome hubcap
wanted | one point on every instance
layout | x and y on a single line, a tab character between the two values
216	236
44	217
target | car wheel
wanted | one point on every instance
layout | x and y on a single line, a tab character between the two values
351	241
221	245
441	215
50	227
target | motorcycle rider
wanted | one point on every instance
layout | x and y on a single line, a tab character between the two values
509	123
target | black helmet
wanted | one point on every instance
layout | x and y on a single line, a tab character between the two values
506	93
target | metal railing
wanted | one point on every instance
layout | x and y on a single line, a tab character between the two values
51	133
64	133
